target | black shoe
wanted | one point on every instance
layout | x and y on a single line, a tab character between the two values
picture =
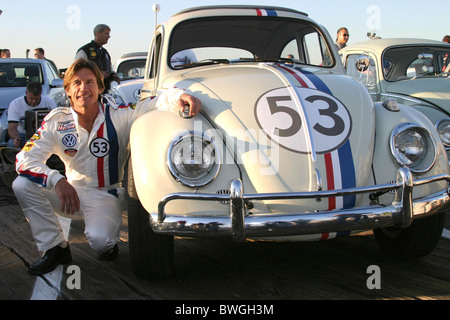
51	259
110	254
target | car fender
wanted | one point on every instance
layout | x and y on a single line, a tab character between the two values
150	138
385	167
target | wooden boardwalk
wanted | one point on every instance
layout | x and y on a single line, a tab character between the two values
223	270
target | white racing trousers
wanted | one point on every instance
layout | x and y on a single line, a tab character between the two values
101	211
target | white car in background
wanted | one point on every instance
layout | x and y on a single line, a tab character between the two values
130	69
415	72
15	74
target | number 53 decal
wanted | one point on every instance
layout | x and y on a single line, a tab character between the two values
99	147
287	123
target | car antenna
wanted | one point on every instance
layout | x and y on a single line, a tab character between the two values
156	8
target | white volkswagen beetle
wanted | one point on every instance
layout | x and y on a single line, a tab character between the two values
284	148
415	72
130	68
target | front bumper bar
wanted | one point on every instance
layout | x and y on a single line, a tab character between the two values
400	213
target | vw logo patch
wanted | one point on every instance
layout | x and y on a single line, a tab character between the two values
69	140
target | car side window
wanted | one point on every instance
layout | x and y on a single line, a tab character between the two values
131	69
49	72
155	57
311	50
316	51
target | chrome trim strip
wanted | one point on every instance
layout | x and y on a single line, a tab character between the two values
399	96
400	213
319	180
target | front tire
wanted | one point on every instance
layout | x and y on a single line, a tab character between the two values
416	241
151	254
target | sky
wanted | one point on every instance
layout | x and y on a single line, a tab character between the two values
62	26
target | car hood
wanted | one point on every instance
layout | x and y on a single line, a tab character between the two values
433	90
293	129
9	94
129	90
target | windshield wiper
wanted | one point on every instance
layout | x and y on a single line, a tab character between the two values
262	59
204	62
427	74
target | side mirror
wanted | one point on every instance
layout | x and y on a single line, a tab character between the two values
363	63
56	83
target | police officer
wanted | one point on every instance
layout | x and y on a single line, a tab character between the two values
95	51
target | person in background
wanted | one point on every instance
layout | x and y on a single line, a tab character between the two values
342	37
16	112
39	53
445	59
5	53
95	51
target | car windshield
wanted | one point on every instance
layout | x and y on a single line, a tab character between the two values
14	74
131	69
410	62
234	39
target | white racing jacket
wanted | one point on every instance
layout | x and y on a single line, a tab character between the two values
94	159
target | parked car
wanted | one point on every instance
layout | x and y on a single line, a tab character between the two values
15	74
415	72
284	149
130	68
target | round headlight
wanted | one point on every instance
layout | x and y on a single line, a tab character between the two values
443	128
413	147
193	160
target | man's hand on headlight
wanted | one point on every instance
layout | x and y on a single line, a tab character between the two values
188	101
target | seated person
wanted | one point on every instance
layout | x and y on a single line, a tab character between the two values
16	112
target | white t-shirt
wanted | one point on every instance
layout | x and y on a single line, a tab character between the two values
81	54
17	108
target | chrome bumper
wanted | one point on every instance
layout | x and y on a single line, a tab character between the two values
400	213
